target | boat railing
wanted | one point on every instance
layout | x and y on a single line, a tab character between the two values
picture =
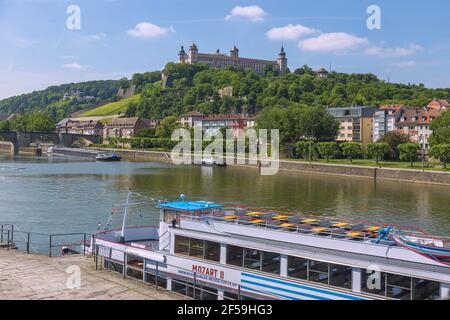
35	242
352	235
104	259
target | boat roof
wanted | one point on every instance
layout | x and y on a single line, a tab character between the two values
190	205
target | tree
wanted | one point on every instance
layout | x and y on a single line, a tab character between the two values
166	127
351	150
5	126
441	129
441	152
377	150
394	139
408	152
34	122
328	150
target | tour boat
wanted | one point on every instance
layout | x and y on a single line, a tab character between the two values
209	250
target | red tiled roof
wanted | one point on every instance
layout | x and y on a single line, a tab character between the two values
193	113
217	117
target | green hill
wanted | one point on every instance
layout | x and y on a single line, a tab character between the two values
113	108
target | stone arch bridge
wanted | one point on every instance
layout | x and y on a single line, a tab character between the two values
25	139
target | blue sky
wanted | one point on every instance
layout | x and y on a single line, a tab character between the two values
120	37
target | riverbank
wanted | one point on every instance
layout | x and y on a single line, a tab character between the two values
368	172
37	277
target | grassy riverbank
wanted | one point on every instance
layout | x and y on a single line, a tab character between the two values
428	166
383	164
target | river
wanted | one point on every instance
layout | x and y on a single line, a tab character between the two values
67	195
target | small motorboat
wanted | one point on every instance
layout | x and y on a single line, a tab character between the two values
109	156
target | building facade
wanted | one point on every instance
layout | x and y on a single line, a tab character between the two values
220	60
88	127
384	120
216	122
415	122
124	127
356	123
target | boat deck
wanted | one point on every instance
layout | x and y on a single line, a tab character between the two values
353	230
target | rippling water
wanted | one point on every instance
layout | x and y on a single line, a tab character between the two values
63	195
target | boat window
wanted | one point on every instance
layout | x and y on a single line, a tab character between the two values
297	268
341	276
373	282
235	255
252	259
399	287
271	262
318	271
212	251
426	289
182	245
196	248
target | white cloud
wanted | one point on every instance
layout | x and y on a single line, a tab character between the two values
394	52
253	13
289	32
404	64
147	30
335	41
76	66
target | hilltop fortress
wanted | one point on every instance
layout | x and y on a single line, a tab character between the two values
220	60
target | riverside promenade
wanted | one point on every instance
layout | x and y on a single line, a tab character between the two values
37	277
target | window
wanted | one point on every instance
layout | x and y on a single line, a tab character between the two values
298	268
235	256
252	259
341	276
271	262
182	245
374	282
318	271
212	251
196	248
399	287
426	289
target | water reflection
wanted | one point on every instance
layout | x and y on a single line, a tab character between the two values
63	195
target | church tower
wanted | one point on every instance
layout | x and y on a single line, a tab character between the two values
182	55
193	53
282	61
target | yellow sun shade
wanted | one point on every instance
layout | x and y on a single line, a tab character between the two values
254	213
309	220
258	221
340	224
280	217
287	225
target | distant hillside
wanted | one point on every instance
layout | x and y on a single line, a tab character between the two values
186	87
197	87
51	100
63	100
113	108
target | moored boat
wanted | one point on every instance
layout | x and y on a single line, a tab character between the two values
236	252
109	156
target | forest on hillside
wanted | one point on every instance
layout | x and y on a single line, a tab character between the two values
187	87
196	87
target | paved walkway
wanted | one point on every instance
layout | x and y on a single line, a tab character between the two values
31	276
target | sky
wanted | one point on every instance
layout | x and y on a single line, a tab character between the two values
42	43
